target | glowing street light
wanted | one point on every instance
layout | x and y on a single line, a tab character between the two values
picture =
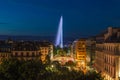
52	66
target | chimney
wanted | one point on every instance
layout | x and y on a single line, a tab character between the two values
110	30
118	34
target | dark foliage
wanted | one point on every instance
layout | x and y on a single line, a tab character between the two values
13	69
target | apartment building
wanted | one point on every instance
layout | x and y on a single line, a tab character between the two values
107	57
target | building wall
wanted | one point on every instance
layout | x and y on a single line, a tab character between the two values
26	50
99	61
107	56
26	55
107	60
79	49
44	52
91	47
111	60
4	55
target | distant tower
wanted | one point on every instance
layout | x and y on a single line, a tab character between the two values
59	38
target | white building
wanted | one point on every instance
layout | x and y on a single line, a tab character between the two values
107	57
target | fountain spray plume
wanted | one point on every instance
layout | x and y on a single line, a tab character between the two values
59	38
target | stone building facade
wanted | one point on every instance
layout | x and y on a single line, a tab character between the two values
107	57
79	51
27	50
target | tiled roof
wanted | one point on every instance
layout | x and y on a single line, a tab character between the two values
113	39
24	46
102	34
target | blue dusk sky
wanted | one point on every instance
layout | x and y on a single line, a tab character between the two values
41	17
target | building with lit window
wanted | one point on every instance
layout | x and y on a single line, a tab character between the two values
91	47
79	51
107	57
25	50
5	50
45	48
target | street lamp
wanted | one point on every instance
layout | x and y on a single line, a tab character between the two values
52	66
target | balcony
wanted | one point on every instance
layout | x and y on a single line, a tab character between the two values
99	49
25	55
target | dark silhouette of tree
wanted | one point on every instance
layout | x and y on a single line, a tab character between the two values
94	76
13	69
9	68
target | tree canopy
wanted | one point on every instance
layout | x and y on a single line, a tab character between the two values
13	69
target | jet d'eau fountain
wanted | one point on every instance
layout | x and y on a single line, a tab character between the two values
59	38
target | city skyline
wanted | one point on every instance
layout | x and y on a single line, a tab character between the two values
40	18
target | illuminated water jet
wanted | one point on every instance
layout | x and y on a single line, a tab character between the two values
59	38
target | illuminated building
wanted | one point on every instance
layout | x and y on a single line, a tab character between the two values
79	49
5	50
25	50
91	47
45	48
107	57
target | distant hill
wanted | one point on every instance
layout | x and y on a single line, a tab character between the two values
48	38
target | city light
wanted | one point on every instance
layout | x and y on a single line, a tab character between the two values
52	66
